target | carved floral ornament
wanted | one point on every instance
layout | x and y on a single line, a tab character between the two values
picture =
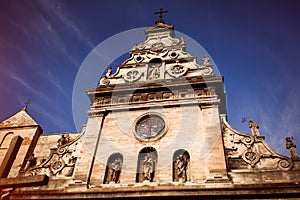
158	46
176	70
133	75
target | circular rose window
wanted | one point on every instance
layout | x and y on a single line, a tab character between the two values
150	126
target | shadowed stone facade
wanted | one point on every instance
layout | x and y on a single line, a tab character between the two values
157	128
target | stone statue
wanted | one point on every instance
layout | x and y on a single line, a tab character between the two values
181	164
62	141
254	128
116	170
205	60
108	71
292	147
31	161
148	167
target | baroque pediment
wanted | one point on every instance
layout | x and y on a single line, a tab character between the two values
161	56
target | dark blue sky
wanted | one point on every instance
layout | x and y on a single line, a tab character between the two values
254	44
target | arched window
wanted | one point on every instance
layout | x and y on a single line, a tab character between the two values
4	143
181	166
113	168
146	165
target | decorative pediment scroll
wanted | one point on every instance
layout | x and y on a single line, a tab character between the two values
247	152
61	160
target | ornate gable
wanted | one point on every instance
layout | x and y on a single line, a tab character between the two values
161	56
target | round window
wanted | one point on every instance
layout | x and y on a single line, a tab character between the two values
150	126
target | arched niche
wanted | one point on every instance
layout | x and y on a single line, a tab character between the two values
155	69
181	166
113	168
146	165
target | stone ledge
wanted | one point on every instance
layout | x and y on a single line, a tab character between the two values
267	190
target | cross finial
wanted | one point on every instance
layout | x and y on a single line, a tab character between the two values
160	15
27	103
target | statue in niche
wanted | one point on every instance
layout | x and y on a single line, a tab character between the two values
181	165
254	128
292	147
63	140
154	70
116	170
148	167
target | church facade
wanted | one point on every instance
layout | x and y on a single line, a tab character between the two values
157	128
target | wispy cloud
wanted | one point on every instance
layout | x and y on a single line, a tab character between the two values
280	116
29	88
55	11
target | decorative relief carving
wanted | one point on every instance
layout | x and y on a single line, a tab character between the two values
167	95
154	69
251	157
61	161
248	141
199	93
158	46
141	46
244	149
152	96
176	70
133	75
206	71
284	164
100	101
136	98
104	81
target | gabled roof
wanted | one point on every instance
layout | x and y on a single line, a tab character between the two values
19	119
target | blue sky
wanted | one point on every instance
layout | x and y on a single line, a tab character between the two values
254	44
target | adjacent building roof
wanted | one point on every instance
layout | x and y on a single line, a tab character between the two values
19	119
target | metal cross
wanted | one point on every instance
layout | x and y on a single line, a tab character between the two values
160	13
27	103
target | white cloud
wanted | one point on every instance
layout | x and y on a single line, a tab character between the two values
29	88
